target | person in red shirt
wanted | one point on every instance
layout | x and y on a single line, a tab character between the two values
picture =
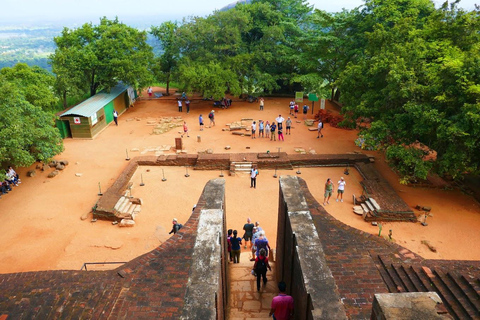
282	305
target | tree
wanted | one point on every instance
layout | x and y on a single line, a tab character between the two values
166	64
416	80
100	56
36	84
28	133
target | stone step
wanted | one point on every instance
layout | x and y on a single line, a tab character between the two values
370	206
119	203
374	203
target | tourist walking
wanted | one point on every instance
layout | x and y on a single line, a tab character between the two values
319	128
328	191
282	305
291	107
273	127
229	244
253	177
200	121
305	110
211	116
187	104
236	246
185	129
176	226
115	117
262	243
295	108
341	189
248	228
260	268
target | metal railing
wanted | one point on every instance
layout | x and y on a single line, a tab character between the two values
84	266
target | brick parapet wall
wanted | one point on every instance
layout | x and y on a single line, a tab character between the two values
301	261
152	286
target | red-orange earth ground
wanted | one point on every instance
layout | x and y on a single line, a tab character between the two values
41	219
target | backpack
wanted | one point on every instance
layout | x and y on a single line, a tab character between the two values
305	108
210	115
261	265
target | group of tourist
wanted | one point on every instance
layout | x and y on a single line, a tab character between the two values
294	109
10	180
329	186
267	130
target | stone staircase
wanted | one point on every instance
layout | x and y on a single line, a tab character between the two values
240	167
245	302
459	292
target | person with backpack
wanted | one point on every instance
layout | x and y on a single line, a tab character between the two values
305	110
236	242
319	128
211	116
176	226
260	268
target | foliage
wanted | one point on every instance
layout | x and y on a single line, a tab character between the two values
408	161
99	56
166	64
28	133
415	73
36	84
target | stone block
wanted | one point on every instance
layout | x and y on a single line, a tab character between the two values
31	173
53	174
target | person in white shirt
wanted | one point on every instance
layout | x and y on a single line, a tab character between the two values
341	189
180	105
254	129
319	128
280	120
253	177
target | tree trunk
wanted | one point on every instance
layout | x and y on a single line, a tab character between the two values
168	83
333	93
337	95
93	87
64	98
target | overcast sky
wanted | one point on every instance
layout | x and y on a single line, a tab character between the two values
43	10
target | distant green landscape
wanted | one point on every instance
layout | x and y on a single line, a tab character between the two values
28	45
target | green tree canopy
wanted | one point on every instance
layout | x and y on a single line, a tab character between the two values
28	133
416	79
35	84
99	56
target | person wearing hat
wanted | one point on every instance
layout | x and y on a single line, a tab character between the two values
176	226
341	189
211	116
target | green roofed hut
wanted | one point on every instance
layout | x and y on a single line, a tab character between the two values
87	119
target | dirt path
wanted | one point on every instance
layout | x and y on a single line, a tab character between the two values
42	229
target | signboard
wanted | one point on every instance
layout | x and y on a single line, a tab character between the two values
312	97
76	120
299	96
94	119
322	104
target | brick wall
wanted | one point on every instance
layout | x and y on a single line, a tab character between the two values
301	261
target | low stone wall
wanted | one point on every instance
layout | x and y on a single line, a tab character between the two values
301	261
281	160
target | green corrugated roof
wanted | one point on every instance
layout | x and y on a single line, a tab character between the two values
90	106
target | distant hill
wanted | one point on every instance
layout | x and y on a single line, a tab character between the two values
233	4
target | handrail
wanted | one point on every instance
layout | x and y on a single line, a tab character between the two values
87	263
